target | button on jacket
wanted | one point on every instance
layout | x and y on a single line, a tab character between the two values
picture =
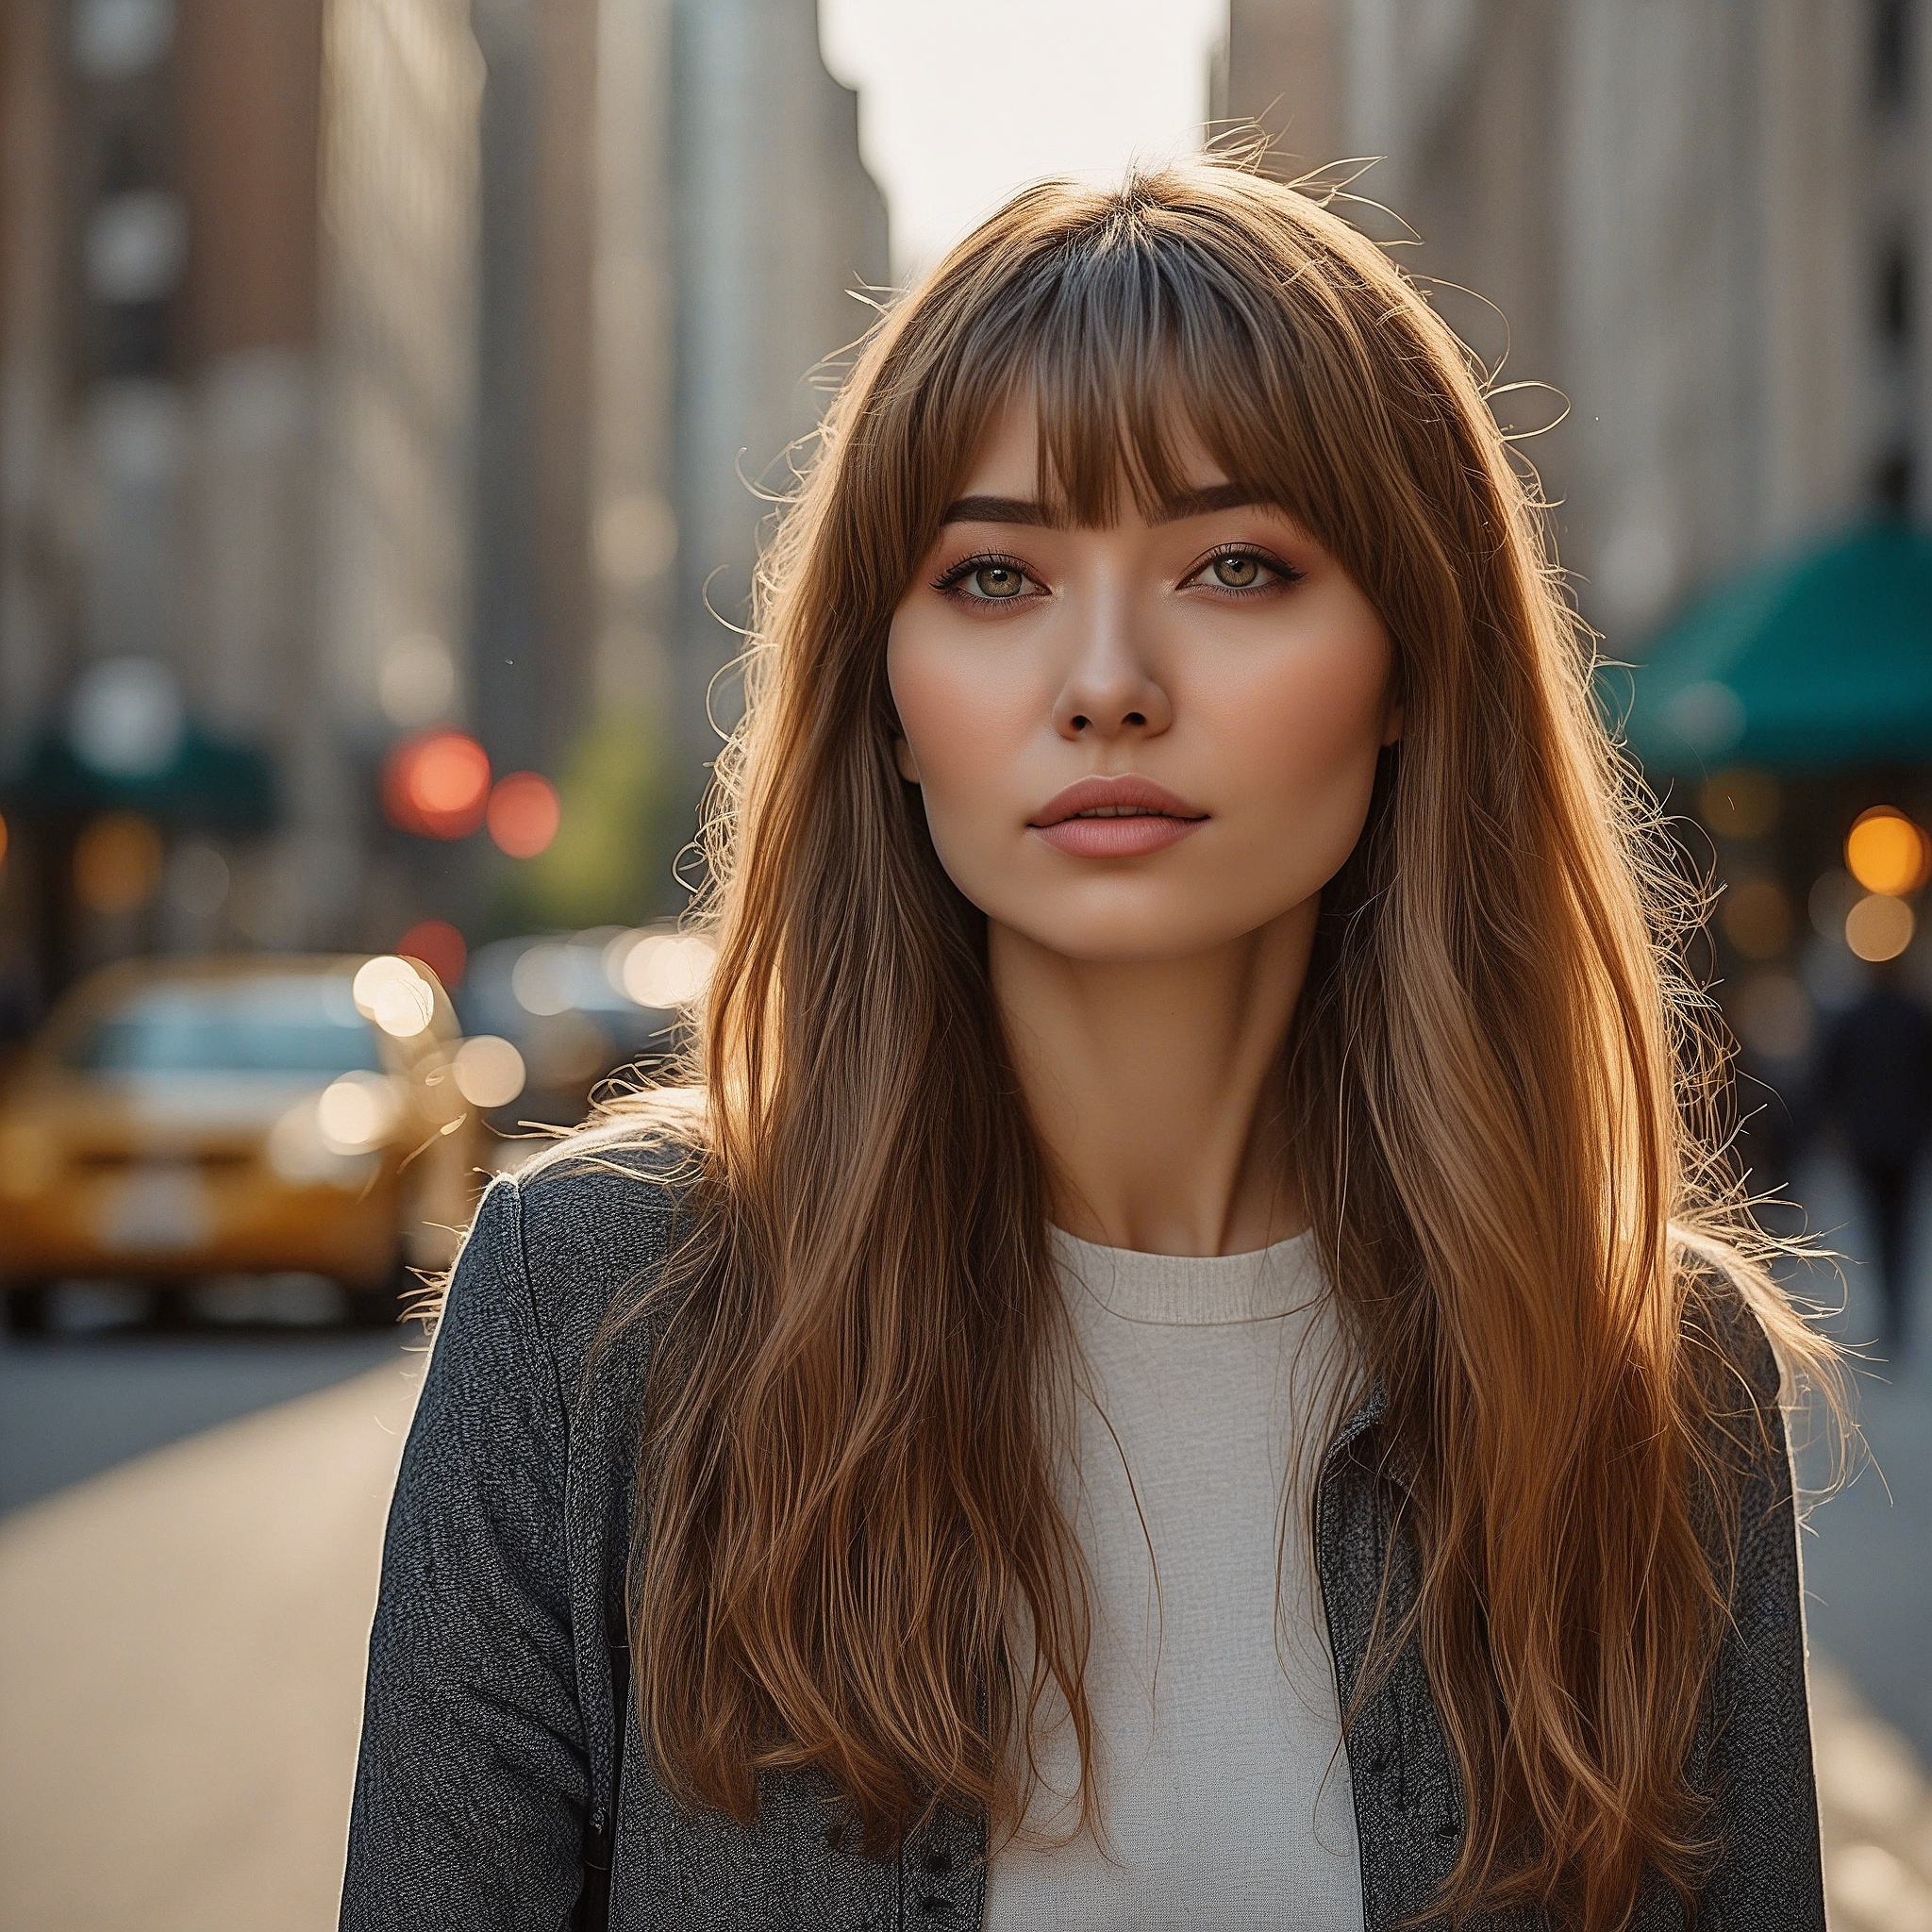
488	1754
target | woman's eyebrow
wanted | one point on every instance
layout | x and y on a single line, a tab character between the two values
1200	503
1024	509
998	509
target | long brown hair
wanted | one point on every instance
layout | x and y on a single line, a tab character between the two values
845	1488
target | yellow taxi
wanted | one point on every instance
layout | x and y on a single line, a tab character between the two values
178	1120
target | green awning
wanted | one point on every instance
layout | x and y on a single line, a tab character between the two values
210	784
1824	660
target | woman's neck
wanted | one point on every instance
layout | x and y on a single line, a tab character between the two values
1151	1083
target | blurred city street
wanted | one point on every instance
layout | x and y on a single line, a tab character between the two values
394	398
184	1631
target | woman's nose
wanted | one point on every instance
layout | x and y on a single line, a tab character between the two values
1110	689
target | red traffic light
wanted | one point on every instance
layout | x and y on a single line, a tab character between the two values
524	813
439	946
436	784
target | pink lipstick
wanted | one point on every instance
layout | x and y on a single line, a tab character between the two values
1115	818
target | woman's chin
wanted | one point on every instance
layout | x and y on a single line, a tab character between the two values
1122	935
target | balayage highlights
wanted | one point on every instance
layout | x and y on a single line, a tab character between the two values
846	1503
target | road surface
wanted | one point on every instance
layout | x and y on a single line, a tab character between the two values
73	1406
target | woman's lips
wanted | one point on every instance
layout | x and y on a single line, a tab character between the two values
1115	818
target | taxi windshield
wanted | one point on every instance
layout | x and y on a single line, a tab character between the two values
266	1025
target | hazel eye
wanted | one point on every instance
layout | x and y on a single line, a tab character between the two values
990	579
1237	570
997	583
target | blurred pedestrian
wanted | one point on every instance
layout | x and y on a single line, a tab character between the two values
1873	1080
1169	1360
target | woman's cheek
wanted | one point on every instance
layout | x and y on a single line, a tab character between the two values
957	743
1302	748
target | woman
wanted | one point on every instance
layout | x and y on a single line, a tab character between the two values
1182	1360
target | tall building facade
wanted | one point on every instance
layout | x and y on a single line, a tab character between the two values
374	365
674	213
781	237
1701	222
238	249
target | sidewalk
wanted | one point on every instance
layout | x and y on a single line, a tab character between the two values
1878	1814
181	1658
181	1674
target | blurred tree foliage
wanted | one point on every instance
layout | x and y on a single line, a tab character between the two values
610	861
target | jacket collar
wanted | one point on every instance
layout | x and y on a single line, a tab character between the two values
1367	1415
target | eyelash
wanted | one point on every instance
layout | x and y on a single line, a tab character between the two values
1284	573
949	580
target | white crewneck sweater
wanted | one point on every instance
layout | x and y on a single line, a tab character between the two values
1223	1793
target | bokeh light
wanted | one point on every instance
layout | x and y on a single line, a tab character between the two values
542	981
436	784
297	1151
1879	928
489	1071
128	717
392	992
663	969
117	863
356	1113
1887	853
439	946
418	681
524	813
3	838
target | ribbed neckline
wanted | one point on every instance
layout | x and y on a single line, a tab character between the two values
1195	1291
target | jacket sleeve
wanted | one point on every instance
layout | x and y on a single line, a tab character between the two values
472	1780
1767	1876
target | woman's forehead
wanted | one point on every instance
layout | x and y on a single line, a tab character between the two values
1009	467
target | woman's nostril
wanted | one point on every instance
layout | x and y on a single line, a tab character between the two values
1137	718
1080	724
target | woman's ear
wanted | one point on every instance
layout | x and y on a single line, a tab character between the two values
902	756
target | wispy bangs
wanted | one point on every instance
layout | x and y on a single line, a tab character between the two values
1140	346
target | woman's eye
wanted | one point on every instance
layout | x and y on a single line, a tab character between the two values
996	582
1239	570
990	580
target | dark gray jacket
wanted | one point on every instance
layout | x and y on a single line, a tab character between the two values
487	1742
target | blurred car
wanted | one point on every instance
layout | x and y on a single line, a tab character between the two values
580	1007
179	1120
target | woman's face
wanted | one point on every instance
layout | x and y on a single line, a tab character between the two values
1141	741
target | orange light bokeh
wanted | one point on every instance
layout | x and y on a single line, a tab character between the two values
524	813
1887	853
436	784
439	946
117	863
3	840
